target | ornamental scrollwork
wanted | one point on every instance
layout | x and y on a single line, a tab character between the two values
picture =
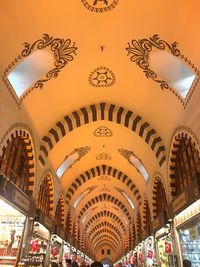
139	50
81	151
63	51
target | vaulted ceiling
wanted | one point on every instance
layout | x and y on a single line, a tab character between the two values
100	102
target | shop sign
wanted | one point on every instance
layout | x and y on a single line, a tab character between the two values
60	231
145	233
9	191
45	220
185	199
158	222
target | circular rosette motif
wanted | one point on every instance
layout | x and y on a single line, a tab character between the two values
99	6
102	77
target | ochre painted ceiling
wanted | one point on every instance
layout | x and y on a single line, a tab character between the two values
101	101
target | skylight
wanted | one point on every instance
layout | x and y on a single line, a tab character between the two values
68	162
172	70
30	70
82	195
128	199
139	166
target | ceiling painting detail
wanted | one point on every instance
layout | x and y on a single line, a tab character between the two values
103	111
141	51
63	51
99	6
103	131
71	159
103	156
102	77
134	161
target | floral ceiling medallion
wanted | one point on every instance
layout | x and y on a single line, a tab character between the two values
103	131
103	156
99	6
62	50
102	77
140	52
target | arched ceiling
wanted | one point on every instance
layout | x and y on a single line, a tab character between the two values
99	102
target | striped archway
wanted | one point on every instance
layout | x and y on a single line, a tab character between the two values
106	237
102	170
105	197
108	214
23	131
138	226
60	210
46	193
158	185
103	111
102	231
180	133
146	213
104	224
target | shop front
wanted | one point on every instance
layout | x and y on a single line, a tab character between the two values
185	209
15	211
57	244
163	247
187	225
39	246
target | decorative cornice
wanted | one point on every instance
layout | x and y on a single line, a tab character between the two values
62	51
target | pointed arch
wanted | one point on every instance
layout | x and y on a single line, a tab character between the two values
159	199
60	211
23	131
182	138
104	197
102	170
103	111
45	200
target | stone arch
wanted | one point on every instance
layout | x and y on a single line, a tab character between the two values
138	226
48	179
105	197
69	222
102	231
146	213
105	224
103	111
23	131
180	133
102	170
60	209
156	183
106	236
105	213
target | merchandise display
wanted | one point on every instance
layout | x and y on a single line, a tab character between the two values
11	231
190	243
38	247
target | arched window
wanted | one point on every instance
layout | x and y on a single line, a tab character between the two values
43	202
15	164
161	200
187	164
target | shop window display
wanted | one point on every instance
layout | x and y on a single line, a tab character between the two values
38	247
190	242
11	231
